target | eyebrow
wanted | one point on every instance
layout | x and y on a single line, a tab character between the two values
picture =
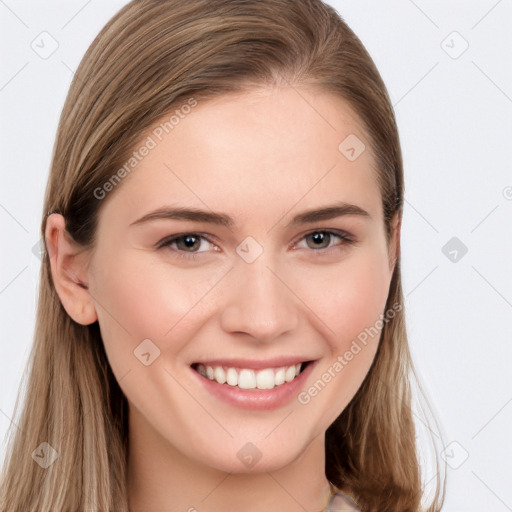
221	219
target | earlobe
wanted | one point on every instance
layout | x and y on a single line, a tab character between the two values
68	264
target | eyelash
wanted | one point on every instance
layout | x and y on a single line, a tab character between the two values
166	242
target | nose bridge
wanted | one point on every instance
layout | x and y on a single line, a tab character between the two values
259	303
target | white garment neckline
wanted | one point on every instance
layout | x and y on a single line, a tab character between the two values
341	502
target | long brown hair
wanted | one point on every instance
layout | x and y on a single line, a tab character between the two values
152	57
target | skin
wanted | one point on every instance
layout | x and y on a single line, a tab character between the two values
261	157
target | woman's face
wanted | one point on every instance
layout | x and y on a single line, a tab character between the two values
253	284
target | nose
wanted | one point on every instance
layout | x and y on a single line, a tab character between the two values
259	302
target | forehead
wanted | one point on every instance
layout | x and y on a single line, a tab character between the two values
258	152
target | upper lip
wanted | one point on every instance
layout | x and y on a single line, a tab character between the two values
275	362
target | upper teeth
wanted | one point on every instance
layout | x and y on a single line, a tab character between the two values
250	379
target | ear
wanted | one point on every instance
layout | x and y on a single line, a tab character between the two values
68	263
394	249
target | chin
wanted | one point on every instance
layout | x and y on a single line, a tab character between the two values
245	457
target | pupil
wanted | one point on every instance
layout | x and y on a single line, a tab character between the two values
320	237
190	241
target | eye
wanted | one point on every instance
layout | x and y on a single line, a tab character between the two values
321	239
183	242
187	245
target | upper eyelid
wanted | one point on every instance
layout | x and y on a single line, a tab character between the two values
344	236
172	238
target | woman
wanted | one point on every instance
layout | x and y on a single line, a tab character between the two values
220	322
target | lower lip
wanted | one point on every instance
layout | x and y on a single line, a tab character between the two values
257	399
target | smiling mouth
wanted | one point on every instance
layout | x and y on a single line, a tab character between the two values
248	378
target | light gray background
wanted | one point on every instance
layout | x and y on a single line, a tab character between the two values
454	112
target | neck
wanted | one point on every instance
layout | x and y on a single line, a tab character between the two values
161	479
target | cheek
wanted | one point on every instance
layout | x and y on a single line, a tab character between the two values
347	297
138	300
